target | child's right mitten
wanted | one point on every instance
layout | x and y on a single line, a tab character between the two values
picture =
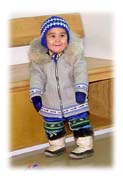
37	102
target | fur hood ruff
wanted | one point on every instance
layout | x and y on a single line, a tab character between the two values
38	53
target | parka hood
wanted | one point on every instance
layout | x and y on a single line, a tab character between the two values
38	54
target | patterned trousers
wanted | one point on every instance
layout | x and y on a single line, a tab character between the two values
79	124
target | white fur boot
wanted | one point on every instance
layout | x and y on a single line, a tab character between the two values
56	147
84	148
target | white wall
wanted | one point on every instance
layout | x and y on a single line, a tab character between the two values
98	37
98	34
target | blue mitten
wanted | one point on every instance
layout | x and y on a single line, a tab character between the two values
80	97
37	102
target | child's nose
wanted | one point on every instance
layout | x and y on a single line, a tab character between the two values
57	39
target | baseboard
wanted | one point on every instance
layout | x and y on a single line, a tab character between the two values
68	139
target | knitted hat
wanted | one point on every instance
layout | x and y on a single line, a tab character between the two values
53	22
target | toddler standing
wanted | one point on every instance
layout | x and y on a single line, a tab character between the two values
59	87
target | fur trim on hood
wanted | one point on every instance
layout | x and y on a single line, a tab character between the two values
38	53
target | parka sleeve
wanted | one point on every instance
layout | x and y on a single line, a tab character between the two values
81	75
37	80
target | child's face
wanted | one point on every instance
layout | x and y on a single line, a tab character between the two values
56	39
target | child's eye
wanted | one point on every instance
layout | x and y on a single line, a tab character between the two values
62	35
52	36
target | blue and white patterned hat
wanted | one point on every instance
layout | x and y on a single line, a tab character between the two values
52	22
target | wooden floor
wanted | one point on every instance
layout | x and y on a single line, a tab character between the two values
103	157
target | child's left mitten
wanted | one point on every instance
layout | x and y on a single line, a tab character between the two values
80	97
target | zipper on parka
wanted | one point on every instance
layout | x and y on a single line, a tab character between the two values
58	88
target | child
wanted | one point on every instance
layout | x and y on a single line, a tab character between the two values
59	87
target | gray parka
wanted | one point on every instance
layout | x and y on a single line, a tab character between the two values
57	83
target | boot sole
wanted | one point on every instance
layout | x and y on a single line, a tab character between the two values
83	155
54	153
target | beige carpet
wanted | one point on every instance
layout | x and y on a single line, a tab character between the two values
103	157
